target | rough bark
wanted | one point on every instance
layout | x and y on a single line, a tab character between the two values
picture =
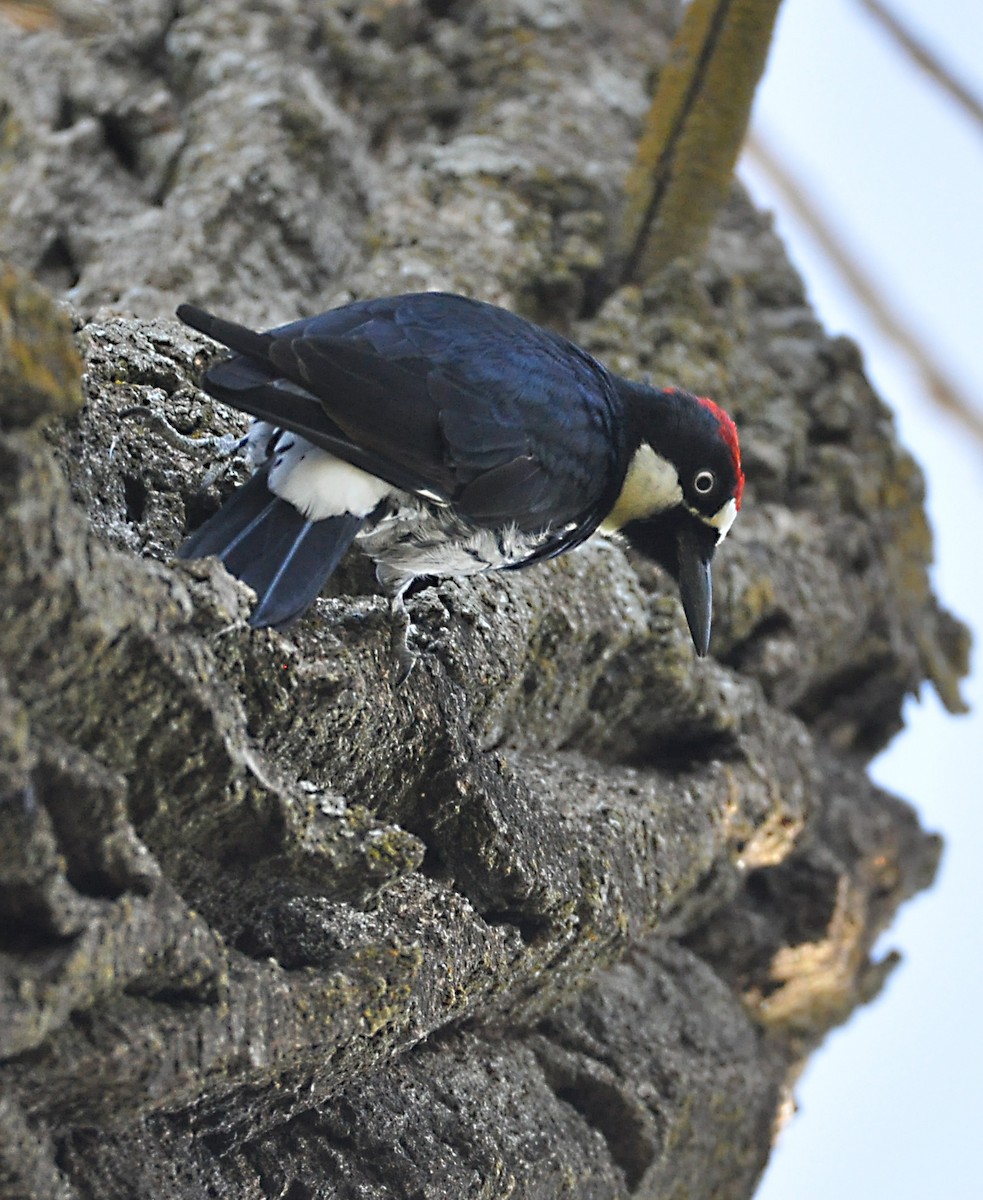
561	915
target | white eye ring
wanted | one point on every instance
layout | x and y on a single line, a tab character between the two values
704	482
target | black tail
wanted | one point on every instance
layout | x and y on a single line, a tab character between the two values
239	338
264	541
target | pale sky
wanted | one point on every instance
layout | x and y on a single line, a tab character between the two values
893	1105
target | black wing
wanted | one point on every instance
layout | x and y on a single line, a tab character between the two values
446	397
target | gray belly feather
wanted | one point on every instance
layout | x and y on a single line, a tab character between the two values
420	539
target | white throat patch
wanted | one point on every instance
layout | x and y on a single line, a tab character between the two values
651	486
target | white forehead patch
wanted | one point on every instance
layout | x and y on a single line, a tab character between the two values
723	518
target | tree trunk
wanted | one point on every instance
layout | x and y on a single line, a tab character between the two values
563	914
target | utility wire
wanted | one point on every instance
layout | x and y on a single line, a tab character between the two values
941	386
27	16
926	59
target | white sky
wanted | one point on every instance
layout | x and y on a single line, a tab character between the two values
892	1106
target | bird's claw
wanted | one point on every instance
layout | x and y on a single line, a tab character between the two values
218	447
404	656
405	660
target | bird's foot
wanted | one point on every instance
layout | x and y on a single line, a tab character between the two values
405	657
218	448
403	654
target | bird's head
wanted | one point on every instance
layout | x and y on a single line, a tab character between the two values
682	490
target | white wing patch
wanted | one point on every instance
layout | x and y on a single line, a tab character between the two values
320	485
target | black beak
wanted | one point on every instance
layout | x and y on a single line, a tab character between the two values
695	550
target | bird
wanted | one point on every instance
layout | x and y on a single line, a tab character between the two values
447	436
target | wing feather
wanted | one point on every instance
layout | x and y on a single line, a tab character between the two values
445	396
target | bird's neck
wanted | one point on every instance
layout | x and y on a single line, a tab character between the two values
651	483
651	415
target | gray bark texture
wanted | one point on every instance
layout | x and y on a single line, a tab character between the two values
563	914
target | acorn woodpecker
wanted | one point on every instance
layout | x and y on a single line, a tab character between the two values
447	436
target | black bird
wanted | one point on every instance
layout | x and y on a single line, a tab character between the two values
448	436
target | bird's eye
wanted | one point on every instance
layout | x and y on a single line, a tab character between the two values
704	482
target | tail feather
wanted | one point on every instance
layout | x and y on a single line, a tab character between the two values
284	557
237	337
246	504
288	582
